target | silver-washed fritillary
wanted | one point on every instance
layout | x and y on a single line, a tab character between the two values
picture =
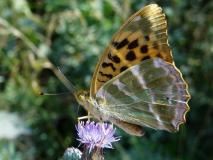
136	82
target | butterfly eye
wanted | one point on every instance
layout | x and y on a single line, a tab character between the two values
81	96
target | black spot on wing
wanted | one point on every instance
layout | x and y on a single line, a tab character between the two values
106	75
130	56
133	44
101	81
145	57
146	38
144	49
119	45
115	58
104	65
123	68
159	55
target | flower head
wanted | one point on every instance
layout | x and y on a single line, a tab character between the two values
99	135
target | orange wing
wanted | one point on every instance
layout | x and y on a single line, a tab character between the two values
143	36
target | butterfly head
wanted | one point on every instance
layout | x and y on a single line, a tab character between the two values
90	104
82	96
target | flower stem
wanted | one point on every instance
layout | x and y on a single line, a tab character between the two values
97	154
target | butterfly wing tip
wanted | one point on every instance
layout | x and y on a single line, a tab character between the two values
176	127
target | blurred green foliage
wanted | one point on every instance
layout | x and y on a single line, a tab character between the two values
37	35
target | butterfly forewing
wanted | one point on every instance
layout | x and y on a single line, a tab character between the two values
142	37
152	93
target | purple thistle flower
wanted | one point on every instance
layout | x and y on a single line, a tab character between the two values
99	135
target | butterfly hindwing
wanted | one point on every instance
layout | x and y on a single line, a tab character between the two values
152	93
142	37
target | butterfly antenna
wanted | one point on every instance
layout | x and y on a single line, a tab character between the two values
53	94
64	80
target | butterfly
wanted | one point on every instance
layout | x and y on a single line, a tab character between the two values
136	83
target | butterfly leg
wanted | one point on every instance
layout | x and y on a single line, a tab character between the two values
89	116
85	117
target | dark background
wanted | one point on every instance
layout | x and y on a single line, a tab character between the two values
71	34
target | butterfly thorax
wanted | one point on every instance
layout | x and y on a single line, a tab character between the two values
89	103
